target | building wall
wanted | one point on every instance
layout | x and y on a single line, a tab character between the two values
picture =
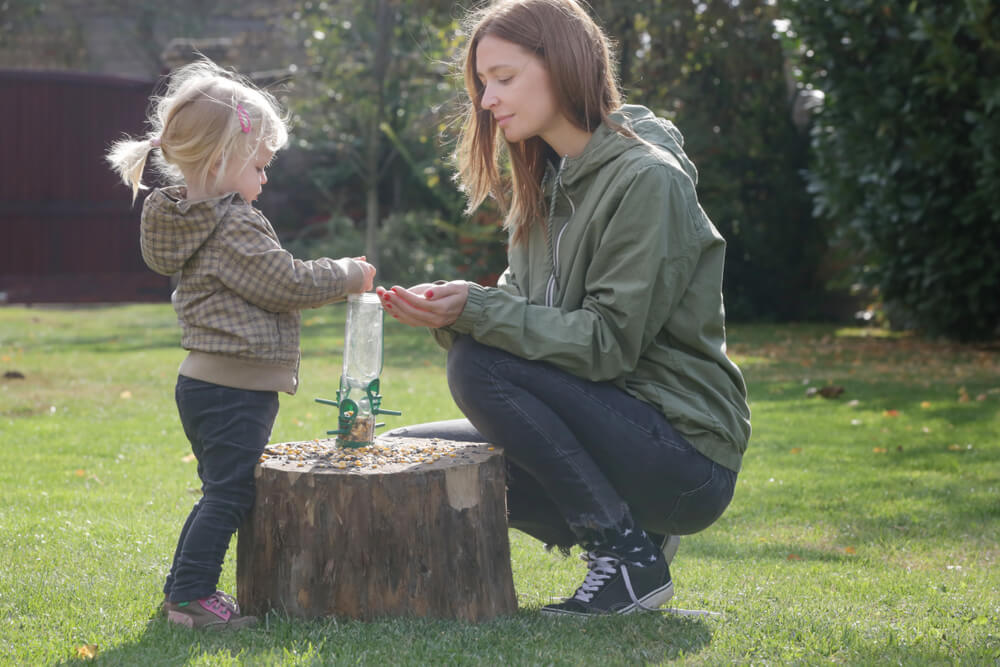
68	232
72	80
130	37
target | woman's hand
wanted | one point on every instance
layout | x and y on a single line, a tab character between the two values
427	304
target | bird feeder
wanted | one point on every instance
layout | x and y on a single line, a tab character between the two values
359	398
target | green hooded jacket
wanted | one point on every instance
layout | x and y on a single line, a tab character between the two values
623	283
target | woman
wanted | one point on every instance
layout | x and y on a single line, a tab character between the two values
598	362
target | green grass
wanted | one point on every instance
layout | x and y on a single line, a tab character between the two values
864	529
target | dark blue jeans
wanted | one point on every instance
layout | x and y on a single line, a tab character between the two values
228	429
582	457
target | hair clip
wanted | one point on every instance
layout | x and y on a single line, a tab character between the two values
244	117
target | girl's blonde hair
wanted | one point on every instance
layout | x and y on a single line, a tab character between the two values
207	118
577	55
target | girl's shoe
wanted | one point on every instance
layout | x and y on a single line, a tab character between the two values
218	611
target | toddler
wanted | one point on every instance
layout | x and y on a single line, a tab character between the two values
237	300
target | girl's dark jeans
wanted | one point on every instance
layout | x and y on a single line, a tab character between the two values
228	429
582	457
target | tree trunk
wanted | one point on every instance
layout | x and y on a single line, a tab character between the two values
400	538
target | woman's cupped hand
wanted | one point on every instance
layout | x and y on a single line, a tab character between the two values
432	305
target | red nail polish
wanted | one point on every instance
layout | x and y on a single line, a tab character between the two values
429	294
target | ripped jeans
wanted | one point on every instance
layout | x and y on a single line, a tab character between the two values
582	457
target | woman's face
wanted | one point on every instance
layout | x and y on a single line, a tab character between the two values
517	91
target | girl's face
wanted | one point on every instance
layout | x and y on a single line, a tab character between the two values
247	179
518	92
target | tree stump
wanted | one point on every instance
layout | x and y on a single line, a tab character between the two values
406	527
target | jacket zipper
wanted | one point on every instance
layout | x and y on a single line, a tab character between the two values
553	283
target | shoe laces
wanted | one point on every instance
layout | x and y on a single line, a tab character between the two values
227	600
602	568
221	604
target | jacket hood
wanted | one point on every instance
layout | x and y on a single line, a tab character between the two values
174	228
607	143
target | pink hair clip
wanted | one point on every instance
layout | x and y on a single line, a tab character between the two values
244	117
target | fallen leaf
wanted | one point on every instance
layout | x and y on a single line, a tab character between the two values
125	394
850	550
891	413
83	473
794	557
955	448
878	450
87	651
190	457
796	450
925	404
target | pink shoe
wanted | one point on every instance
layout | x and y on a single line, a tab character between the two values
218	611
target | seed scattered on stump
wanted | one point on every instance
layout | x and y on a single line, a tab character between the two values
382	453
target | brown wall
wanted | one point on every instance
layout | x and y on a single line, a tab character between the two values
68	232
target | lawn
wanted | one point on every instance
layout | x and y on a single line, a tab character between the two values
864	529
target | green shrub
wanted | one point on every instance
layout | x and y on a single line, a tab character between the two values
717	69
906	152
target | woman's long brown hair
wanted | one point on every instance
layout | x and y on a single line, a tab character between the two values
577	55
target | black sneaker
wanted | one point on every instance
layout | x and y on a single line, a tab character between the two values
612	587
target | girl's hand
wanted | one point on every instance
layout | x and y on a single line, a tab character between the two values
369	272
426	305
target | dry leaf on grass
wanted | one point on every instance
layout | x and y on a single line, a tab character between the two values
87	651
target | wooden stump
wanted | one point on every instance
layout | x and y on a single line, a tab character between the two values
376	532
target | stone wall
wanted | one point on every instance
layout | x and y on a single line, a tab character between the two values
145	38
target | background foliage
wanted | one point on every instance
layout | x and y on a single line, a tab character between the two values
905	152
716	69
372	111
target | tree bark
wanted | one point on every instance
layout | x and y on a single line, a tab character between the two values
395	539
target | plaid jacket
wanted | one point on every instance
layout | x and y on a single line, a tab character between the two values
239	293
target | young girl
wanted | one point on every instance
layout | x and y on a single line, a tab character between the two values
237	300
599	361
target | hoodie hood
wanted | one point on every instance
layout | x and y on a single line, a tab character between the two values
607	143
174	228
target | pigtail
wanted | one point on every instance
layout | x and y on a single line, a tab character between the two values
127	158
